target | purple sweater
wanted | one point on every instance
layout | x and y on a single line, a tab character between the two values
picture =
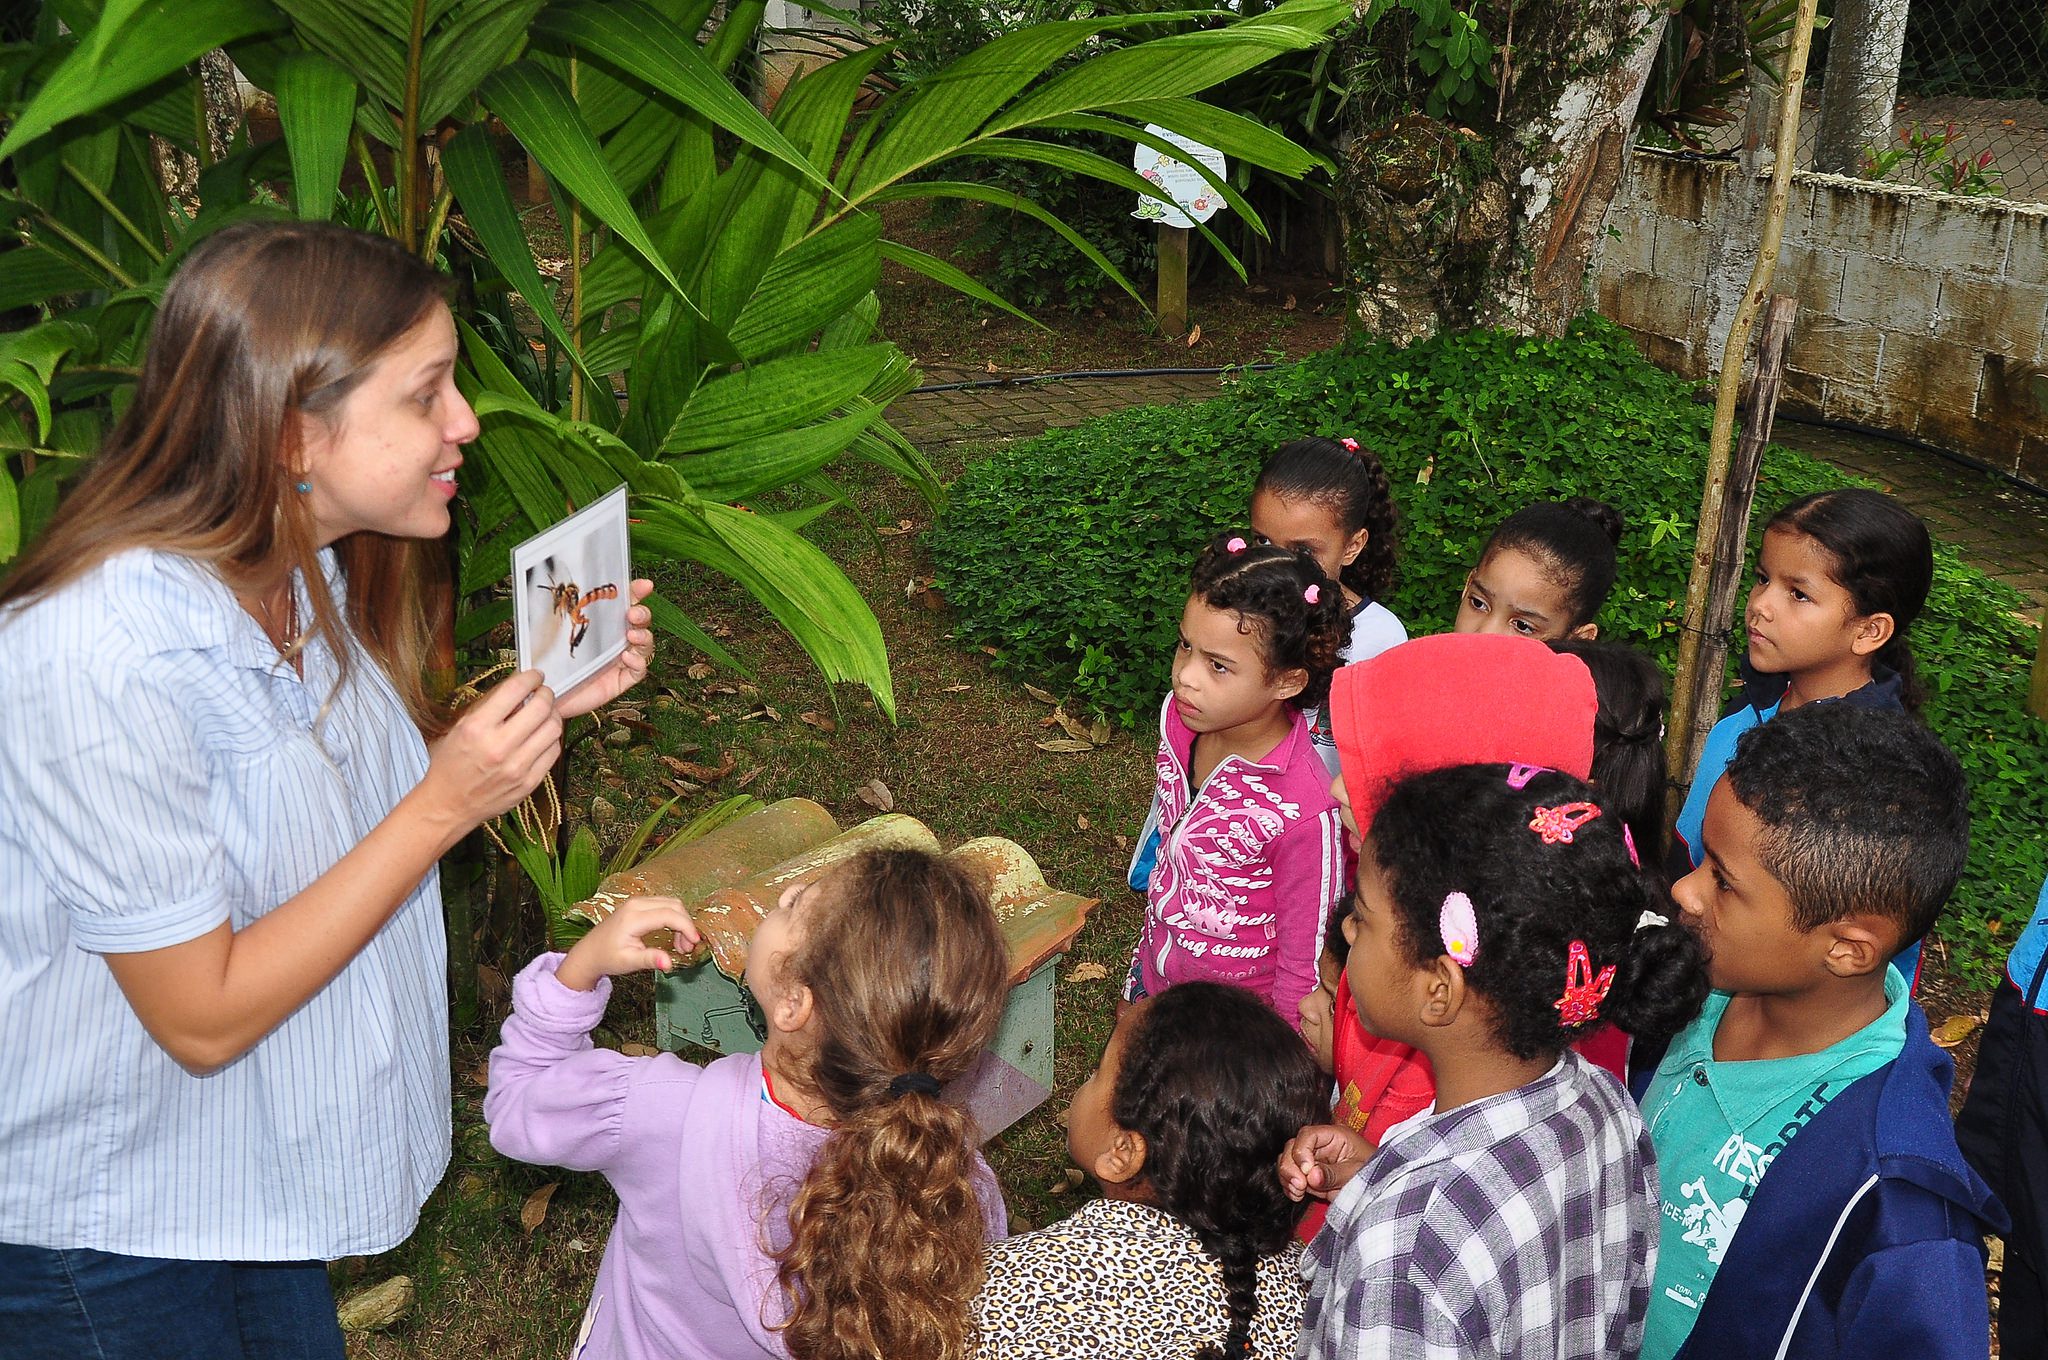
700	1160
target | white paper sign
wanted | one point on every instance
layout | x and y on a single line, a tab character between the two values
1186	198
570	587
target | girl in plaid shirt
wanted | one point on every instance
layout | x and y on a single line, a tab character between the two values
1499	918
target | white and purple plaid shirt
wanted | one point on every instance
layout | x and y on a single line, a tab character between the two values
1524	1224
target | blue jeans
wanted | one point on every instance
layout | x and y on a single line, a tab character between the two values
78	1304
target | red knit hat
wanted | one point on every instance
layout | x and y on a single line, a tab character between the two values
1458	699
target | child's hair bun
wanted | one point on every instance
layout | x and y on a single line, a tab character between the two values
1601	513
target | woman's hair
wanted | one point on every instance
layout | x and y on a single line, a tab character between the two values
1468	830
1267	587
1883	558
908	973
1348	481
262	322
1574	542
1628	735
1216	1083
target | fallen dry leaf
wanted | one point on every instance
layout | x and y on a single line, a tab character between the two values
1288	305
1426	471
722	687
577	1244
876	795
1042	696
1069	1182
1955	1029
1087	972
1123	842
992	651
375	1308
1098	732
480	1075
1072	726
1064	746
1081	821
956	689
1194	336
750	776
682	787
819	721
535	1211
767	711
703	774
638	1050
901	526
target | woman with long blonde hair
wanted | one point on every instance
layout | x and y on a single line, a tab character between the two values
224	791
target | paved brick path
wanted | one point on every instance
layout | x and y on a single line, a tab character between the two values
1998	528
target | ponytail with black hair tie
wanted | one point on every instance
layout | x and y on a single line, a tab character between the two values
903	1083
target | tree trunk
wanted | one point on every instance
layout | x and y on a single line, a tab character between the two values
1859	91
1491	213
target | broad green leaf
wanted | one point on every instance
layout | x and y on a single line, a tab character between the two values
483	37
628	855
542	115
1077	161
579	865
10	515
809	284
134	44
316	107
740	471
951	275
951	104
1003	198
673	621
471	164
768	397
643	44
1233	134
349	33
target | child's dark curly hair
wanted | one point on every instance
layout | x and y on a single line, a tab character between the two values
1575	541
1216	1083
1267	587
1465	829
1352	485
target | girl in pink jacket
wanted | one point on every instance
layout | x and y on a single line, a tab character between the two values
1250	848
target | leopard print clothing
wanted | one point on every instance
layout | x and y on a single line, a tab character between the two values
1126	1281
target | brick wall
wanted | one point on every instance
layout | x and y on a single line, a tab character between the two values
1921	314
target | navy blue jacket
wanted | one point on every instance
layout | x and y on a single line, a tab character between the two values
1865	1237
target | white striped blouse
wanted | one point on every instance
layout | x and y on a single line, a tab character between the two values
160	773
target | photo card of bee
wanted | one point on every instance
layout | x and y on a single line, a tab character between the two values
571	584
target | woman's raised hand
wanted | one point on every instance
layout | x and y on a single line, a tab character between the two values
618	943
497	753
1318	1161
624	673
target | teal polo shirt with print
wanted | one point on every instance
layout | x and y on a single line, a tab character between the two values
1718	1126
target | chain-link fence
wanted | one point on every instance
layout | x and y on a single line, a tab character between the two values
1944	94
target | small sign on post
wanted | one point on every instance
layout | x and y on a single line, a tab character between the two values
1185	199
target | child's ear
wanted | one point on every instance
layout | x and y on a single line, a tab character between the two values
1873	631
1287	684
1353	546
1585	632
1859	945
1123	1161
792	1008
1443	991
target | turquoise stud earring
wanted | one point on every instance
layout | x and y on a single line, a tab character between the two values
304	487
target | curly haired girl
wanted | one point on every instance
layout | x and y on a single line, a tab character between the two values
1250	851
1189	1250
1499	919
818	1200
1329	498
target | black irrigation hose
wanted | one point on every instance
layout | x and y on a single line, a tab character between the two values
1964	460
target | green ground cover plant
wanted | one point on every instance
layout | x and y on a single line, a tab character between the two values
1070	553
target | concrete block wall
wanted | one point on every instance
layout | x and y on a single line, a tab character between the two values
1920	314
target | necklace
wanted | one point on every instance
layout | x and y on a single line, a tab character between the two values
284	638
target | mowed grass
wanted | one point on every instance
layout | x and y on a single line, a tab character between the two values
961	757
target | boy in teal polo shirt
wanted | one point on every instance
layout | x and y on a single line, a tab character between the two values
1814	1202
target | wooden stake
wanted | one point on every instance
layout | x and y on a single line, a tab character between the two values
1732	542
1173	281
1679	750
2037	689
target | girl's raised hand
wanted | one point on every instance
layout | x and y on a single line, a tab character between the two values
618	943
495	754
1320	1159
624	673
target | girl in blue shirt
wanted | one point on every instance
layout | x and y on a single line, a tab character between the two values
223	1002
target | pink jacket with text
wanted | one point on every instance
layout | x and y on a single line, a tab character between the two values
1249	867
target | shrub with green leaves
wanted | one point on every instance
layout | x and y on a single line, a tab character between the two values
1071	552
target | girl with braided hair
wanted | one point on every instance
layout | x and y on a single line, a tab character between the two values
818	1200
1189	1251
1249	848
1329	498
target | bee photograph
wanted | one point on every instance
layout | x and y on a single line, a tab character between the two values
570	587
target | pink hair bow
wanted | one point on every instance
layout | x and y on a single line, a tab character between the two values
1460	929
1312	594
1235	545
1557	824
1350	444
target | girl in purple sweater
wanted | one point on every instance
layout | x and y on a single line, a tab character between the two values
1250	849
817	1199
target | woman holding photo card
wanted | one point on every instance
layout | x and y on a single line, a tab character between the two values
224	791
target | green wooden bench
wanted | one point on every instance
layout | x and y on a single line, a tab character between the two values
731	879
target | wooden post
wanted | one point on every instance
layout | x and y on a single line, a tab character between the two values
1173	281
2037	689
1679	751
1731	543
